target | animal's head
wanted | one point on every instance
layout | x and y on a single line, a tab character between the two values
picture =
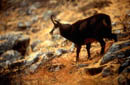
55	23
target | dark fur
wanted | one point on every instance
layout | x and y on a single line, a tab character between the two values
86	31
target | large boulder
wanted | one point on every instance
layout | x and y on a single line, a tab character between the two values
9	57
120	49
14	40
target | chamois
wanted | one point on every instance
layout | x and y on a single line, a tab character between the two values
85	31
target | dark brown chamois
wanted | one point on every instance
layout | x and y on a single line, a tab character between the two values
85	31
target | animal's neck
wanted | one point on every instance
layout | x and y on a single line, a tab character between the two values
65	31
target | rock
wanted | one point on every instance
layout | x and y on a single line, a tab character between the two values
124	65
117	31
34	30
21	25
34	19
53	1
72	47
35	66
82	65
28	24
54	68
36	59
14	40
122	80
29	12
59	52
49	43
122	35
106	72
9	57
32	68
34	6
56	37
128	15
64	42
15	62
23	4
114	24
48	56
94	70
24	25
33	58
47	14
117	50
35	43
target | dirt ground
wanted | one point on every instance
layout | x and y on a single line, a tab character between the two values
69	72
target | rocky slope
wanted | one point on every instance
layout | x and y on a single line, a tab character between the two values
30	55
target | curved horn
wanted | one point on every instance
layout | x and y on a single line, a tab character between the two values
52	19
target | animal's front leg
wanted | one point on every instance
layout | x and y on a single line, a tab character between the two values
88	45
77	52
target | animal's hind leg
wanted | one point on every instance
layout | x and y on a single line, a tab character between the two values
88	45
102	43
77	52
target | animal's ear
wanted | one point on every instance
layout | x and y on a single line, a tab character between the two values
57	22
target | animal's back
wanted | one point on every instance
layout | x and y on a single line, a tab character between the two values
96	26
92	27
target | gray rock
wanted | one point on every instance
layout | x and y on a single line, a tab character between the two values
28	24
127	70
106	72
116	51
48	55
56	37
72	47
36	5
32	68
54	68
28	12
117	31
9	57
34	30
23	4
123	35
82	65
47	14
122	80
21	25
128	15
59	52
49	43
24	25
123	66
34	19
35	43
36	59
33	58
14	40
114	24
